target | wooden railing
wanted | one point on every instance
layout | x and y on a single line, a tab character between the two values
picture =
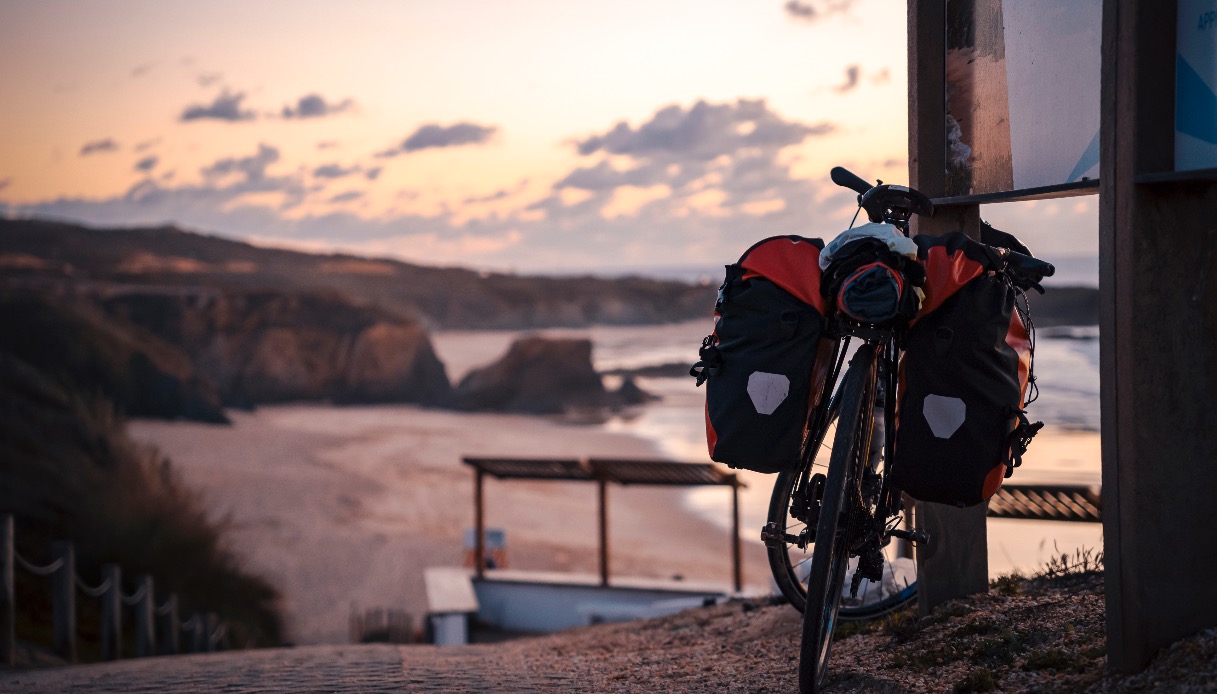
158	629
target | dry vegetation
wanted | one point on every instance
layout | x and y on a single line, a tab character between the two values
70	472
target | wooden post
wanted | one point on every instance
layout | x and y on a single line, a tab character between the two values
145	634
737	572
63	601
8	601
602	485
479	522
170	641
198	633
211	624
955	563
1158	368
112	613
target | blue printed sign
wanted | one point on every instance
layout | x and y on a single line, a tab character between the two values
1196	86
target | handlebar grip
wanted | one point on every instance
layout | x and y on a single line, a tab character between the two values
1031	267
848	179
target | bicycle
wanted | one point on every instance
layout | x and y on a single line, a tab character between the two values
850	498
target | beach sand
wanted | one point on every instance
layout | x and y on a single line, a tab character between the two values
344	508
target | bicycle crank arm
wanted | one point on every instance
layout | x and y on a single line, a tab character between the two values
917	537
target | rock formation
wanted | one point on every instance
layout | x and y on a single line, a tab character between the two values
265	346
537	375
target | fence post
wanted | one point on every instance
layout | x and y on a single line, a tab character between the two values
8	609
145	635
63	601
198	633
112	612
210	625
170	642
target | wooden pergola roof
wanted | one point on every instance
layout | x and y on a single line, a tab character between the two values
603	472
649	472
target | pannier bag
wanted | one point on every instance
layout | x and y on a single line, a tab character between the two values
963	379
759	361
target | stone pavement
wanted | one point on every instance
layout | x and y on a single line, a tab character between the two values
347	668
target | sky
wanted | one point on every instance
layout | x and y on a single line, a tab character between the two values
520	135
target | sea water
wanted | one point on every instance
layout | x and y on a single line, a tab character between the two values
1066	367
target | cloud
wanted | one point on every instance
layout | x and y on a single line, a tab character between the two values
147	163
315	106
881	77
206	79
500	194
141	70
335	171
433	136
146	144
703	132
810	11
5	182
852	73
253	167
96	146
347	196
327	144
373	173
695	181
227	107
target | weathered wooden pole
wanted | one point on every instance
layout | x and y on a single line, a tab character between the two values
8	600
1157	326
602	486
63	600
145	633
112	612
479	523
955	562
737	571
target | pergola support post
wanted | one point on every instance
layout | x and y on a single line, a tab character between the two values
602	487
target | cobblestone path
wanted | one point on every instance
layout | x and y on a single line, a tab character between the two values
349	668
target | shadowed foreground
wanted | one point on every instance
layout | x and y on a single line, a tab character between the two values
1041	635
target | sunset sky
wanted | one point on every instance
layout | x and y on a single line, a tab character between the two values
524	135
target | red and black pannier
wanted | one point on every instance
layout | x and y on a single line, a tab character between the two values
964	376
759	363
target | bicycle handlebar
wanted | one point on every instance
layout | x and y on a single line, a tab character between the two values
848	179
1027	267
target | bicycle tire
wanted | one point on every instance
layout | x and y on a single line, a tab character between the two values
789	563
829	561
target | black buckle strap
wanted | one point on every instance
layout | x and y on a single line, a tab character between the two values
711	360
1020	439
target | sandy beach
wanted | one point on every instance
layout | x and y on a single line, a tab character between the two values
344	508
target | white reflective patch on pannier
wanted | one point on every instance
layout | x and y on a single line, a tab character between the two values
944	415
767	391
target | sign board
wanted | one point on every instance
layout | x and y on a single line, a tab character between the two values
1196	85
1022	95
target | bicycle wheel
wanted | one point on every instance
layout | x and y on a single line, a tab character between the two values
790	559
840	511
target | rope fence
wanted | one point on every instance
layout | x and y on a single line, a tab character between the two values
158	630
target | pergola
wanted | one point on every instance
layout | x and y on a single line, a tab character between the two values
603	472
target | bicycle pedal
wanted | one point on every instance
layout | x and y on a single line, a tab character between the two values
916	537
772	535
